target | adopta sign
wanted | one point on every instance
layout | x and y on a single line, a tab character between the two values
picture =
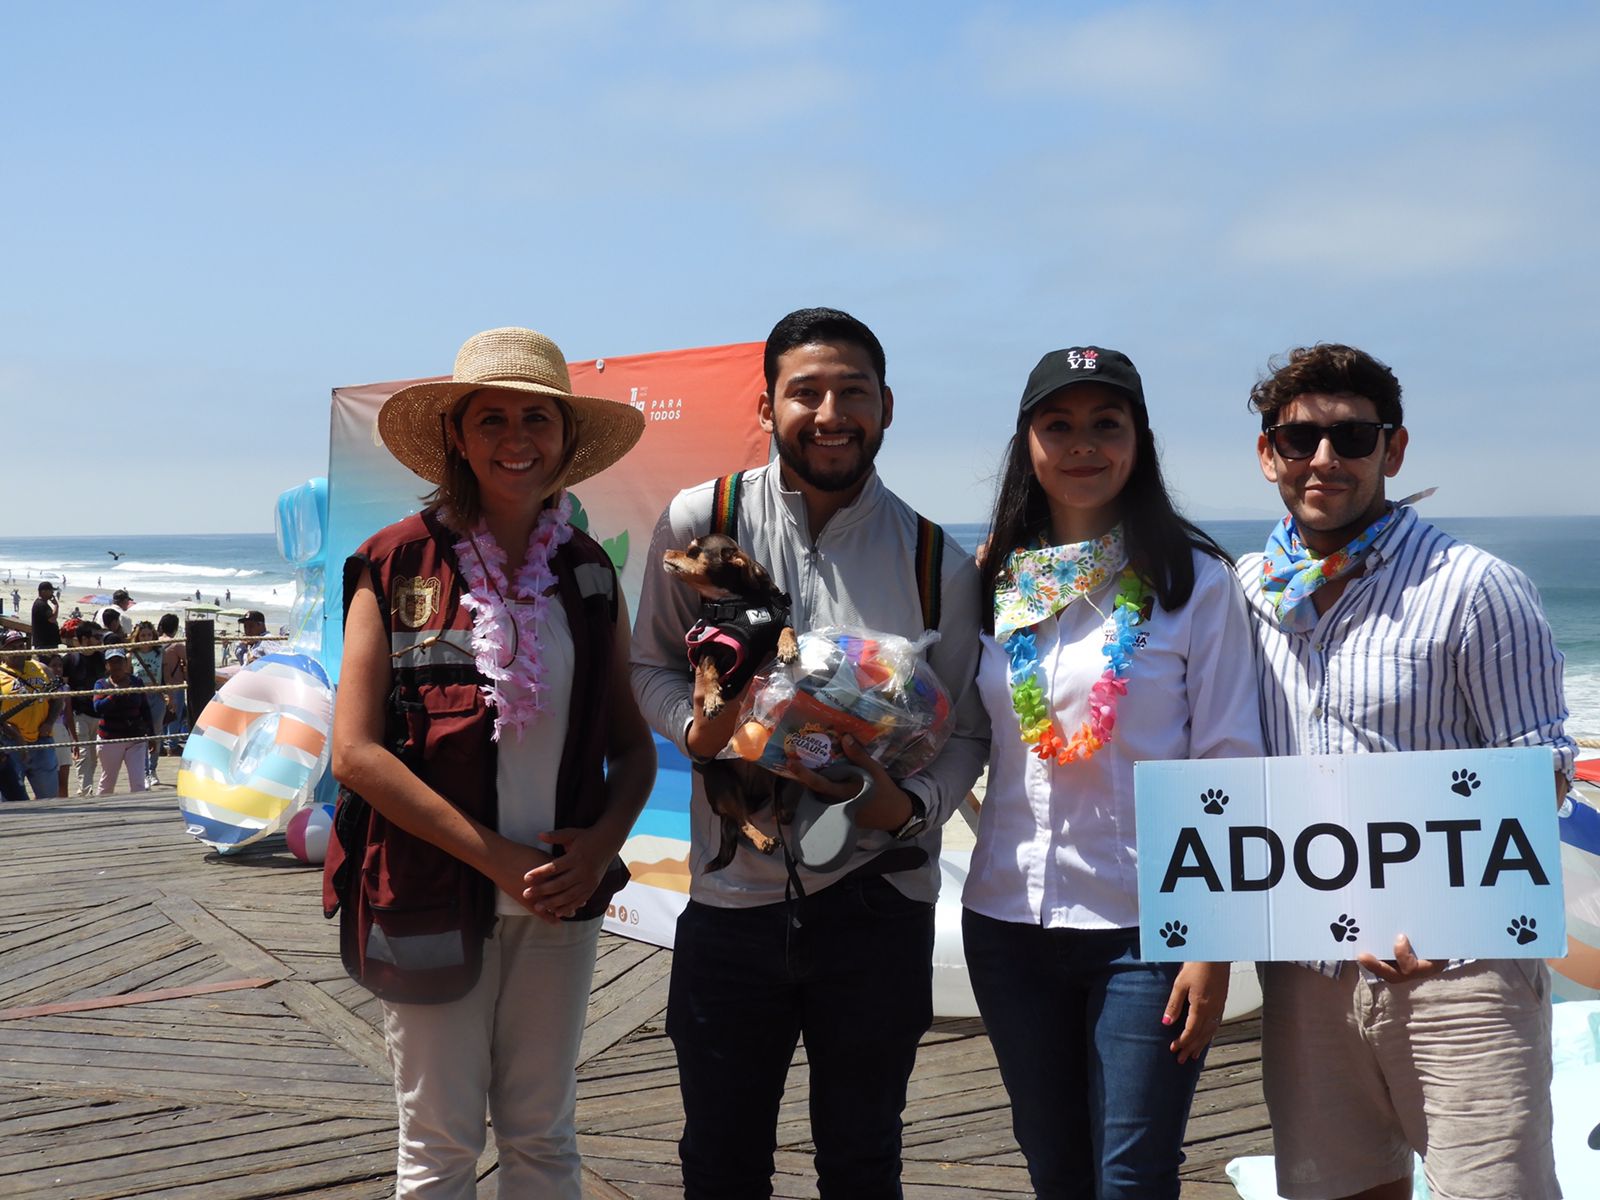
1325	857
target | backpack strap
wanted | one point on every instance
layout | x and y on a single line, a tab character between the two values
725	505
930	570
930	545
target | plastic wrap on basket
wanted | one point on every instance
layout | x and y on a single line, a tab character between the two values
847	680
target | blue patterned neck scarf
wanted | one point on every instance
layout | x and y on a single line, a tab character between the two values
1292	572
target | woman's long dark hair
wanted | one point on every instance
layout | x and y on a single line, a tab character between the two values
1160	541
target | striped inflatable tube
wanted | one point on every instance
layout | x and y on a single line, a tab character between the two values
257	751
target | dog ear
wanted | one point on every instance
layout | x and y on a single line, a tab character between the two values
757	581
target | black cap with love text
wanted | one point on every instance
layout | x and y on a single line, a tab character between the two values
1082	364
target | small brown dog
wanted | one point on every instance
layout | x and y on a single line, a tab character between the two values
744	618
744	622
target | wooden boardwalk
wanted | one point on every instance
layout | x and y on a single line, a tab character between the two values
175	1024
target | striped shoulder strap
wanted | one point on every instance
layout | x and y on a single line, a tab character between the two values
930	545
725	505
930	570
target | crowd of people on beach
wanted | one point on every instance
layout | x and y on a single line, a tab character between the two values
492	738
87	702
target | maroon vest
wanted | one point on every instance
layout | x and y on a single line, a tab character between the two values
413	917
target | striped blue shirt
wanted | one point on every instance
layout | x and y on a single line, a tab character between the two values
1437	645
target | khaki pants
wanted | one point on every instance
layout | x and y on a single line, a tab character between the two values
85	727
512	1041
1359	1073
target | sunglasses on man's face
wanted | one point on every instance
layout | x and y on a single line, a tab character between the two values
1351	439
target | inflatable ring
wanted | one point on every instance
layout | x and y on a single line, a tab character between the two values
1577	976
257	751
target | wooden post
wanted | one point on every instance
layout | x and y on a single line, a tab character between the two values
200	644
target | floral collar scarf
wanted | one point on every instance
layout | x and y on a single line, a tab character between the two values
1037	584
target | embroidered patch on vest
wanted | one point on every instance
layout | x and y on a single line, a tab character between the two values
416	601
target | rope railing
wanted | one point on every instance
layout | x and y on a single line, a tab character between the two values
137	647
14	747
200	641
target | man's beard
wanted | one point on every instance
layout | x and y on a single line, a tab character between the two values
792	455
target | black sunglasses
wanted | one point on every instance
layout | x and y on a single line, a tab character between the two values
1351	439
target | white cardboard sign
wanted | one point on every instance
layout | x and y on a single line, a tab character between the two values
1330	856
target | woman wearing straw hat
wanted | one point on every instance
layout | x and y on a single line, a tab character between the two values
486	720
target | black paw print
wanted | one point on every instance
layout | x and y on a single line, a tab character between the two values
1464	783
1344	929
1215	801
1523	929
1173	932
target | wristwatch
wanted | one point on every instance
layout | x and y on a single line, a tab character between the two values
916	824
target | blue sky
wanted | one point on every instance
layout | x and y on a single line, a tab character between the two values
214	213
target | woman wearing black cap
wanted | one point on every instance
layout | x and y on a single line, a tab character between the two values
1116	632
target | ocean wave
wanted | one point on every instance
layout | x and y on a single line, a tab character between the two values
20	569
1583	701
182	570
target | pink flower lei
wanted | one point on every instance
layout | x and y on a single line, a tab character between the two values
483	564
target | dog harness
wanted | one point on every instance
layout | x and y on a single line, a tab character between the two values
739	635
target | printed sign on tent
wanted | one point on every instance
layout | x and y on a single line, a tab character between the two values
1330	856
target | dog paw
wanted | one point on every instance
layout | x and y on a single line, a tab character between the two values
1522	928
1173	933
1344	929
1214	801
1464	783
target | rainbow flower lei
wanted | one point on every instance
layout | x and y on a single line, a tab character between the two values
483	564
1027	692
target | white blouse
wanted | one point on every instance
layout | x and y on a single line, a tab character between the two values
1055	844
526	770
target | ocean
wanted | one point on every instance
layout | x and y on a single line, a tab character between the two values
1560	554
160	571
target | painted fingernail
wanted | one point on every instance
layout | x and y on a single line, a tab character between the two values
1166	1018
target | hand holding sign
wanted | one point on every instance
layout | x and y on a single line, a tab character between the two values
1405	966
1337	856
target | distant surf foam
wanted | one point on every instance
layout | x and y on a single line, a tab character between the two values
155	570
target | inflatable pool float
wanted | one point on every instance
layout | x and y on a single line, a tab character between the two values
1577	975
256	751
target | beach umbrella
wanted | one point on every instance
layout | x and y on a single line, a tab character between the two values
201	608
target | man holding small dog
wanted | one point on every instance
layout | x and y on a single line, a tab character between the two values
769	950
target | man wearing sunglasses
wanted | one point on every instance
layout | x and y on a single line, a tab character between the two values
1379	632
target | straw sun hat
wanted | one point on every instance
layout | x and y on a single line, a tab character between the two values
412	421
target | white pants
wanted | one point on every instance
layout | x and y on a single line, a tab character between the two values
87	727
113	756
513	1041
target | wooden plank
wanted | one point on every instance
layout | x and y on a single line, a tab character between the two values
348	1103
353	1035
234	949
69	1006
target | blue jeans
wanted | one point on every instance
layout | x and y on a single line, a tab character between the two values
179	723
855	978
37	764
11	788
1098	1101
